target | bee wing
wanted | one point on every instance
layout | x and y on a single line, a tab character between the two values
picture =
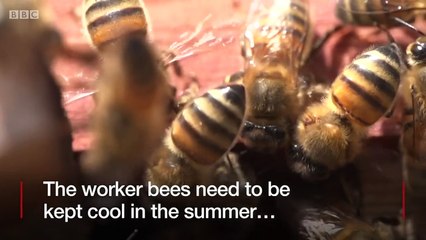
205	37
371	6
276	27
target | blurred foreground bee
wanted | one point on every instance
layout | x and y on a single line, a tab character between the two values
35	135
132	111
276	43
199	137
329	134
378	12
107	21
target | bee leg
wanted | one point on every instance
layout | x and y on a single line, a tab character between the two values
406	24
320	42
168	58
232	162
386	31
390	112
190	92
351	184
303	165
235	78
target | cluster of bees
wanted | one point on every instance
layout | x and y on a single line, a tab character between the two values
299	131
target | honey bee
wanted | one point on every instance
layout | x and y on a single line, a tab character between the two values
132	111
276	43
199	137
415	124
107	21
413	139
377	12
329	134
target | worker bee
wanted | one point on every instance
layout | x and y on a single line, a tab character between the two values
199	137
107	21
132	110
377	12
276	43
329	134
413	139
415	125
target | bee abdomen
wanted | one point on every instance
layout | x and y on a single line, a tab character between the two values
108	20
207	127
369	12
297	25
297	18
367	87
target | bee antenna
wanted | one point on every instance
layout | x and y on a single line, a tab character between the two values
410	26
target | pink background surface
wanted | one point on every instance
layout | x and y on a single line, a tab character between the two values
171	18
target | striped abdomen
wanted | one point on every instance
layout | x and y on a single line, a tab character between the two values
108	20
367	87
297	29
370	12
207	127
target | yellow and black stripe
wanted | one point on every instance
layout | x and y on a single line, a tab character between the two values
367	87
371	12
108	20
207	127
296	27
297	19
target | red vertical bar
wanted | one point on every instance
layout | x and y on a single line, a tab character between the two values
403	213
21	200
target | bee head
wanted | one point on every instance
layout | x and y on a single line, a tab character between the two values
416	52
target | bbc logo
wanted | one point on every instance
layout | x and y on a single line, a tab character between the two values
23	14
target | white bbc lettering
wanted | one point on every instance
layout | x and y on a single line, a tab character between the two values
13	14
33	14
23	14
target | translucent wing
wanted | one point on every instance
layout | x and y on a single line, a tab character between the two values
205	37
276	28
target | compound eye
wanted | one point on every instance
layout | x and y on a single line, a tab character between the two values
418	51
